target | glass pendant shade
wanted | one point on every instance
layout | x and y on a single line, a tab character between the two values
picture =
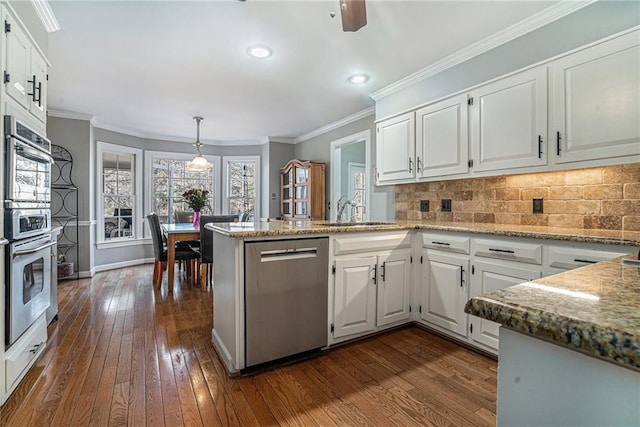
198	163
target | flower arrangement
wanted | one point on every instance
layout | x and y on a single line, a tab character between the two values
195	198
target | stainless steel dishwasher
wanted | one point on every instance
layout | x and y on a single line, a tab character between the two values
286	288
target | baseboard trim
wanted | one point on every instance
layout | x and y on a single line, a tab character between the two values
116	265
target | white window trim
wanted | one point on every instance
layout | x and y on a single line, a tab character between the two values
149	156
137	231
227	181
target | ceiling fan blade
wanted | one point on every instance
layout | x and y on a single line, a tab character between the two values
354	14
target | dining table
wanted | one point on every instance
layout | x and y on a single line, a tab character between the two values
175	233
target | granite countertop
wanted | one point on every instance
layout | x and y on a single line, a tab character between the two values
291	228
593	309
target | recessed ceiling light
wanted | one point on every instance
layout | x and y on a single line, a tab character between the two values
358	79
259	51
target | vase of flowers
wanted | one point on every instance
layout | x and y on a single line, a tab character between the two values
196	199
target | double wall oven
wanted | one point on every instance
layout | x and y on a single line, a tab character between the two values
27	223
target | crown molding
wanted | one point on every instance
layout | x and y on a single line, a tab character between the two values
149	136
335	125
46	15
118	129
538	20
268	139
62	114
114	128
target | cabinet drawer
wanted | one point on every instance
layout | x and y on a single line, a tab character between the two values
24	351
529	253
443	242
371	242
569	258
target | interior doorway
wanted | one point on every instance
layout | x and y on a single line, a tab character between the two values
351	175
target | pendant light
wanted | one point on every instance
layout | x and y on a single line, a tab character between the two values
198	163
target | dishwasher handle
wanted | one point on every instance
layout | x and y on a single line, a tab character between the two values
288	254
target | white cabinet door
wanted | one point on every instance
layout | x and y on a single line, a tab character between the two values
17	74
444	290
442	138
395	149
489	277
509	122
596	101
354	296
39	75
394	288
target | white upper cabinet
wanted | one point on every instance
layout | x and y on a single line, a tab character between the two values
39	76
395	149
442	138
596	101
25	75
509	122
580	110
16	76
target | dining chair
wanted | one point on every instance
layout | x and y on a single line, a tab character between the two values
206	246
180	217
185	217
160	252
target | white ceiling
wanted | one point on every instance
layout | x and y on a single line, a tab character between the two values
148	67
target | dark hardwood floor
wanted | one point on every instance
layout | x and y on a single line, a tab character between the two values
123	353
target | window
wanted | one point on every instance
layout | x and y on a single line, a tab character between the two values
357	190
169	178
119	185
242	179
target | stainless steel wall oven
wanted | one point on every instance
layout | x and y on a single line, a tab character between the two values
27	181
28	284
27	225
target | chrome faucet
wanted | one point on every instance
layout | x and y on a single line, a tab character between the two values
341	205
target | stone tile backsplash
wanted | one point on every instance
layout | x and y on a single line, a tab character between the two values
594	198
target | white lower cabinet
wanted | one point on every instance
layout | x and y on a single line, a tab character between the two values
377	285
354	296
394	288
22	354
372	282
444	290
490	276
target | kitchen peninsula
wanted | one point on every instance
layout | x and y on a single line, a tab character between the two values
393	262
556	333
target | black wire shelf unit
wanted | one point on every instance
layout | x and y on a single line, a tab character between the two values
64	212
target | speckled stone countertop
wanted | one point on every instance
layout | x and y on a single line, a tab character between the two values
290	228
593	309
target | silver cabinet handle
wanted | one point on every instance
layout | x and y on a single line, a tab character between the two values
410	165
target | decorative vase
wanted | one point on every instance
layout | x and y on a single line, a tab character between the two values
196	219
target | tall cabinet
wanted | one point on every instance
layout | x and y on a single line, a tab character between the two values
64	212
302	190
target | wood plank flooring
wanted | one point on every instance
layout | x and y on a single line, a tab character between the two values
124	353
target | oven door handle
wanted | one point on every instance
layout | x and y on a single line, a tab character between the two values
32	154
31	251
